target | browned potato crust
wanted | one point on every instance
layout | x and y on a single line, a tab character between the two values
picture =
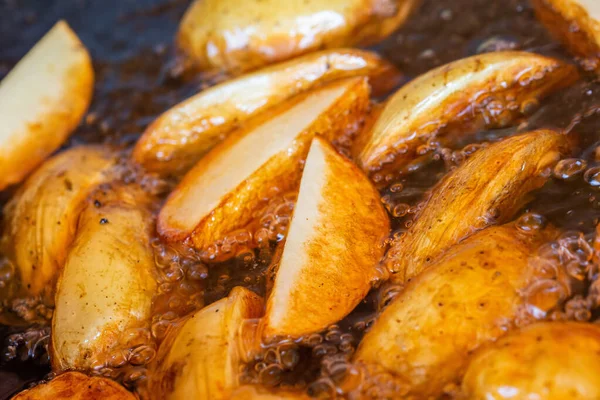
40	219
450	102
175	141
42	100
222	192
469	296
545	361
333	246
489	188
201	358
76	386
242	35
107	284
576	23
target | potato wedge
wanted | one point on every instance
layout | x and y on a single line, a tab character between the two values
576	23
107	283
470	296
42	101
223	190
76	386
237	36
248	392
487	189
201	358
489	90
181	136
40	220
333	247
546	361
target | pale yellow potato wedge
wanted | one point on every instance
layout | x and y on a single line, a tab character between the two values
77	386
469	297
545	361
42	101
489	90
487	189
40	219
248	392
237	36
181	136
333	247
223	190
576	23
107	283
201	358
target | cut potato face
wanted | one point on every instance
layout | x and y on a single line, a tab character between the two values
257	393
107	283
446	104
42	101
237	36
470	296
201	359
186	132
576	23
225	188
333	247
489	188
40	220
549	360
77	386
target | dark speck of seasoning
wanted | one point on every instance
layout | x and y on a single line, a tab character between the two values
97	204
103	221
68	185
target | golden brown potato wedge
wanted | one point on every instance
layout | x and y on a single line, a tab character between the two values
333	247
181	136
237	36
470	296
487	189
42	101
201	358
223	190
576	23
488	90
40	220
77	386
107	283
545	361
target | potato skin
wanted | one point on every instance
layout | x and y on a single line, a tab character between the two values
40	219
453	101
237	36
200	358
570	22
468	297
177	139
545	361
107	283
42	100
235	209
77	386
489	188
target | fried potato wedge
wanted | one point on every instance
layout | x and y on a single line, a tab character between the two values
40	219
181	136
576	23
468	297
333	247
488	90
489	188
223	190
249	392
77	386
201	358
107	283
548	360
237	36
42	101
